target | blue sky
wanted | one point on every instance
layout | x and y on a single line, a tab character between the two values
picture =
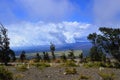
39	22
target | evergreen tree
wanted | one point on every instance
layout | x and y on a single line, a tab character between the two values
81	56
95	55
63	57
71	55
95	51
5	52
104	57
46	56
38	57
108	42
22	56
52	48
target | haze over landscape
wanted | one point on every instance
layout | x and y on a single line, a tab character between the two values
39	22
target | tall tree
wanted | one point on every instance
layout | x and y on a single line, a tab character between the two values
52	48
46	56
37	58
63	57
5	52
111	41
108	41
95	51
22	56
81	56
71	55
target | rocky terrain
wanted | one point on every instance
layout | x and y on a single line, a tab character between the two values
58	73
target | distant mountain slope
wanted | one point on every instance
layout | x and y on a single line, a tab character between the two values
85	46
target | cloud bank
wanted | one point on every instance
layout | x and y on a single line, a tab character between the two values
107	12
41	33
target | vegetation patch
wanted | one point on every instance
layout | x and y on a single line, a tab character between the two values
95	64
106	76
42	65
21	68
70	71
5	74
84	77
18	76
69	63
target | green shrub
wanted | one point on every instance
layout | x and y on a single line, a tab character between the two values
84	77
116	64
109	65
69	64
22	68
95	64
18	76
5	74
107	76
88	65
99	64
70	71
42	65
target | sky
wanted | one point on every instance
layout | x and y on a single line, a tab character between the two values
39	22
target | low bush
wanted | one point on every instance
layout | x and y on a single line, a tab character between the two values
57	61
70	71
95	64
18	76
109	65
21	68
5	74
116	65
42	65
107	76
84	77
69	63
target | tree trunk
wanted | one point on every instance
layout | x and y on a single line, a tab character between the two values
53	55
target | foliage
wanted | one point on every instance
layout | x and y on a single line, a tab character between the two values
42	65
70	71
71	55
18	76
22	56
95	55
116	64
63	57
106	76
69	63
104	57
5	74
107	42
52	48
81	56
95	64
37	58
109	65
21	68
6	54
46	56
83	77
57	61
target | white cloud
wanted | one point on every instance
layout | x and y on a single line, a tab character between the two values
107	12
41	33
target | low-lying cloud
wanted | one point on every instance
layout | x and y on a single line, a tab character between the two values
41	33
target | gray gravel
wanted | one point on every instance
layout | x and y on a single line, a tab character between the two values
56	73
